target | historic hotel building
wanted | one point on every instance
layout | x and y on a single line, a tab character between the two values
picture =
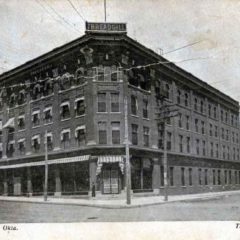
74	97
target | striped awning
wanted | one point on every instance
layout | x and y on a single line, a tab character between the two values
55	161
110	159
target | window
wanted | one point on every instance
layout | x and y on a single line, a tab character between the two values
21	122
217	152
203	127
219	177
36	117
209	110
196	125
214	176
190	176
115	132
80	135
201	106
160	136
134	106
134	134
49	141
102	105
224	153
236	137
48	87
226	117
171	176
210	130
228	152
223	133
167	91
195	104
197	146
65	110
183	176
146	136
188	144
180	143
169	141
102	133
145	108
230	176
206	176
227	135
162	176
203	148
100	74
232	120
237	154
200	176
216	131
21	97
10	148
114	102
215	112
36	143
21	146
234	153
186	100
47	114
65	138
236	179
179	97
222	115
36	91
211	149
187	123
79	106
180	120
225	177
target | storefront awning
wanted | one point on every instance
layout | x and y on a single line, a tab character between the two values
55	161
110	159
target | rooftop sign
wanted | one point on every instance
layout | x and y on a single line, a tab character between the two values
106	27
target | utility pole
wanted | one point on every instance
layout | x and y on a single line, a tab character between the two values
105	10
165	113
46	168
127	165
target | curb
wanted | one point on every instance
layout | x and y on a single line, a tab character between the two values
120	206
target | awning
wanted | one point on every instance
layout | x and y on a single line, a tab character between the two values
9	123
110	159
55	161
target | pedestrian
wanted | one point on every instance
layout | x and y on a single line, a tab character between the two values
93	190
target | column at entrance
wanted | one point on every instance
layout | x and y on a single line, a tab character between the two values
5	183
29	182
58	184
156	175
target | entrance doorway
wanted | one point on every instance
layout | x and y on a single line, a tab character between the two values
110	179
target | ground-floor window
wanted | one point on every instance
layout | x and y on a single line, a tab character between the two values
141	173
171	176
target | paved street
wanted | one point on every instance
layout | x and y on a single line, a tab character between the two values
224	208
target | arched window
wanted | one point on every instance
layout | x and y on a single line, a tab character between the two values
37	91
21	97
179	97
12	99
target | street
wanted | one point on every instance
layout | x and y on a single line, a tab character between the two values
224	208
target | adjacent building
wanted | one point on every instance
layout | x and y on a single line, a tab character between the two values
69	103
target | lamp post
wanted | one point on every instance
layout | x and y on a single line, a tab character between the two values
46	168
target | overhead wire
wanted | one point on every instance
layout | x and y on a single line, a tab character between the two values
79	14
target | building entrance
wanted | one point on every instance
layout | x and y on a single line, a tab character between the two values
110	179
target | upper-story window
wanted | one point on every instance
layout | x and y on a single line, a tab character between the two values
195	104
21	97
209	110
187	122
226	116
12	100
37	91
114	102
180	137
215	112
36	143
10	148
80	76
203	127
210	129
80	135
36	117
65	110
102	133
65	138
232	119
102	102
79	106
48	87
186	100
146	136
180	120
21	122
145	108
48	114
21	146
179	97
115	132
134	105
49	141
66	81
169	140
167	88
201	107
222	115
134	134
196	125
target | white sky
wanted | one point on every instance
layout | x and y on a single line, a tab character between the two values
27	30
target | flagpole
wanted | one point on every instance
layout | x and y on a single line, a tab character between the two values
105	11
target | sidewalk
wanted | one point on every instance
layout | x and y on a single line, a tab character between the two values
121	203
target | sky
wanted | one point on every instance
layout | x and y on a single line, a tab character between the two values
29	28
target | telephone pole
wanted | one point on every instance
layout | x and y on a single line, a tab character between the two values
46	168
127	164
